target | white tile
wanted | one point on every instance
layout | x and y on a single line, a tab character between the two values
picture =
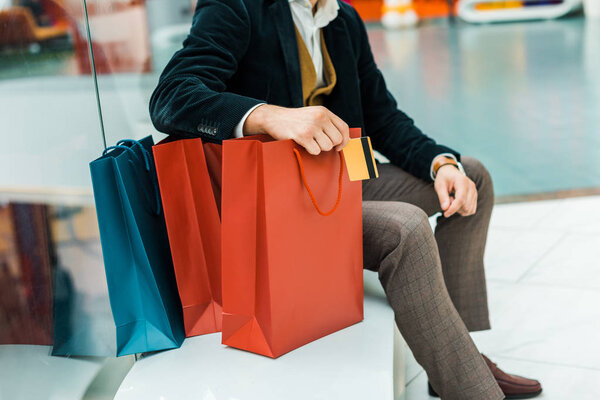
574	262
510	252
544	324
412	366
433	220
558	382
417	389
575	215
522	215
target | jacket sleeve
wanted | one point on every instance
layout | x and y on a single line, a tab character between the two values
392	132
191	97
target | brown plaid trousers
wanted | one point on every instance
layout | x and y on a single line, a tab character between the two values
434	283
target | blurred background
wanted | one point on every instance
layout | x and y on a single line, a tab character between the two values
513	83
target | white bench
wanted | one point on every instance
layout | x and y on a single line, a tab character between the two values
364	361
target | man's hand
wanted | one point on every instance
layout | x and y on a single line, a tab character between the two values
457	193
314	128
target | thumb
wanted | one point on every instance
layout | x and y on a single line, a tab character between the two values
442	191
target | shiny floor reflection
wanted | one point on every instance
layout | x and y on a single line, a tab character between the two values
56	325
52	280
522	97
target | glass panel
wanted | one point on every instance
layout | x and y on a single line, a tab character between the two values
133	41
50	127
53	296
522	97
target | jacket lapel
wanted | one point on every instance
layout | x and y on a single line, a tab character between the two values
282	16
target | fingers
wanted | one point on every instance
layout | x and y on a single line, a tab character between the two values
465	199
470	206
323	140
443	193
326	133
314	128
460	197
309	144
337	130
455	205
343	129
333	133
313	147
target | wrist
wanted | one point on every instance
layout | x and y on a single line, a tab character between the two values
445	167
443	161
256	121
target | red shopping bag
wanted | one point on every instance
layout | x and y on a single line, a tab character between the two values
194	227
292	245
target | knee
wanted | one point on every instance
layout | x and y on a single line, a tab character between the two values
408	223
479	174
406	241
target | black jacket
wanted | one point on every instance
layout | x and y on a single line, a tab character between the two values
243	52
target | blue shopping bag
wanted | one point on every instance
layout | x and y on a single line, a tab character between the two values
139	271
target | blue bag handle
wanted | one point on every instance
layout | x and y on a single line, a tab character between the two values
157	209
146	153
110	148
149	164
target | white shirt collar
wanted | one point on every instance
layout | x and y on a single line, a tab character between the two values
327	11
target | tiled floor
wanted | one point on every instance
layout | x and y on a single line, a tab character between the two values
543	267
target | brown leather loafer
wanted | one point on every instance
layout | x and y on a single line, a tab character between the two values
513	386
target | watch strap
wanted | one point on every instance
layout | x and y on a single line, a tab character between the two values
442	161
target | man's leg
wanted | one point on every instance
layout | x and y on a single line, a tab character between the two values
399	244
461	240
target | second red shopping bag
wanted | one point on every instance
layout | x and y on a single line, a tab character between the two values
189	178
292	245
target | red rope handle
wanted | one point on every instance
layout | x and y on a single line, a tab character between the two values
310	193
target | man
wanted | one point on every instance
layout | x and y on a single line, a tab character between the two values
302	70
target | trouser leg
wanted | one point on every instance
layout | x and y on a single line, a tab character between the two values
461	240
461	243
399	244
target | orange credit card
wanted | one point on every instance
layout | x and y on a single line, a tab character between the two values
360	162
